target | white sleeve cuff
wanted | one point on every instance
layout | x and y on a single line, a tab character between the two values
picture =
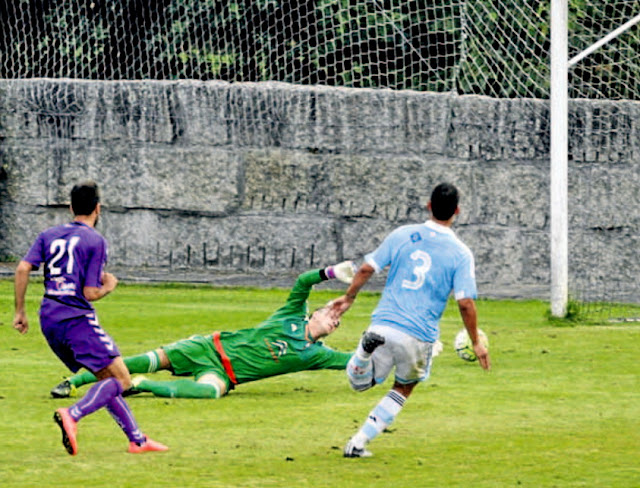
369	260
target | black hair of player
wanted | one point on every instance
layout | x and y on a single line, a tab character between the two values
84	198
444	201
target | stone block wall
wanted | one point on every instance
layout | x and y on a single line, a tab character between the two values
271	179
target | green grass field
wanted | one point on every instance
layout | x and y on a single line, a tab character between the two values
560	408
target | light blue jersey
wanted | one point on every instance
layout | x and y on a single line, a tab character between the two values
426	262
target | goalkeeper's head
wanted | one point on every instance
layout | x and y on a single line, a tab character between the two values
444	202
322	322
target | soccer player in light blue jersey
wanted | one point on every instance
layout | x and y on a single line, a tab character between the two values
426	263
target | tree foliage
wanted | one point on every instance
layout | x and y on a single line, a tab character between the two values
498	49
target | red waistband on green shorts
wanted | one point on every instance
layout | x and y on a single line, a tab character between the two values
226	362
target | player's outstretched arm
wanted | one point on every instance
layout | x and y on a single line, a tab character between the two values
342	304
467	307
20	284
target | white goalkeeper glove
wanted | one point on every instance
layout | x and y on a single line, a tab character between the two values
437	348
343	271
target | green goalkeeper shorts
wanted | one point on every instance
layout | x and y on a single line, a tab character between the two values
196	356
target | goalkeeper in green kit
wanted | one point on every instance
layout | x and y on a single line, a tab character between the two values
287	342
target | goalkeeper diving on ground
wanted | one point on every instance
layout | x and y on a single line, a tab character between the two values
287	342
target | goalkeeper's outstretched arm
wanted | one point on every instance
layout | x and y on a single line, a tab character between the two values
343	271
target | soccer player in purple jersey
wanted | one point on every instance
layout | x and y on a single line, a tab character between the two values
73	256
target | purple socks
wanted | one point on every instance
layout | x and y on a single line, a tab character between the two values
108	393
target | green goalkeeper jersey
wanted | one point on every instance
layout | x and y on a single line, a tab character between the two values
279	344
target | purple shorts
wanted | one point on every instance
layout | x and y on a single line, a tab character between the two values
80	342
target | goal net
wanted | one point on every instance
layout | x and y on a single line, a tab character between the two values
494	48
488	47
600	146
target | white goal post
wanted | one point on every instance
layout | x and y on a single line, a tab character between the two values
559	240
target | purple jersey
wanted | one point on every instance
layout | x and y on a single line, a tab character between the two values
74	256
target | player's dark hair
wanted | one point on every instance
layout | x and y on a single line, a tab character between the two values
444	201
84	198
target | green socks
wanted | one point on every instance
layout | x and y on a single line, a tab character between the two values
83	378
143	363
149	363
179	389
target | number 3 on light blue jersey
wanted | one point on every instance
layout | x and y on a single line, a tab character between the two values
420	270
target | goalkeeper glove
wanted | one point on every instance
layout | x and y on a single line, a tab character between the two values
343	271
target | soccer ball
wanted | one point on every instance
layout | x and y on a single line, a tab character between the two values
464	348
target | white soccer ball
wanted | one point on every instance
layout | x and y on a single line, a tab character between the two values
464	348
